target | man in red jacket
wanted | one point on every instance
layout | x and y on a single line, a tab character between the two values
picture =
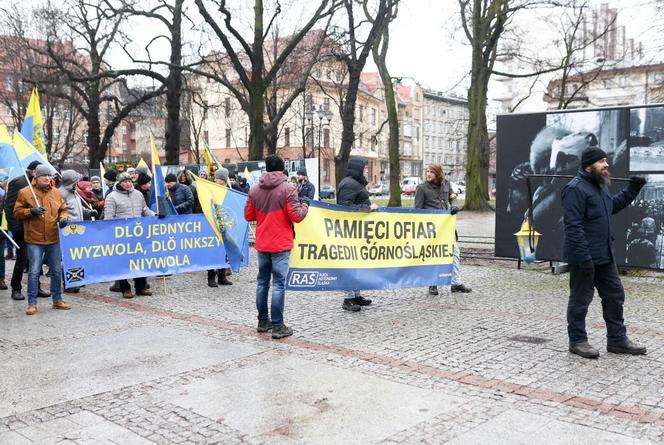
274	205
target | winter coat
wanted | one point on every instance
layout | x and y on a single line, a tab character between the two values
121	203
182	197
352	191
587	210
306	190
75	208
433	196
14	186
40	229
274	205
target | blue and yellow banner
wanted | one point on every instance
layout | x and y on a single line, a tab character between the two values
339	248
99	251
33	128
224	210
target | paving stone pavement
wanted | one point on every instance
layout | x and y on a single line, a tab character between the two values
186	366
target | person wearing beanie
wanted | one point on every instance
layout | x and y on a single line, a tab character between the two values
305	189
110	177
588	249
98	190
352	192
202	173
232	181
181	195
127	202
243	185
142	169
144	185
273	204
16	227
42	210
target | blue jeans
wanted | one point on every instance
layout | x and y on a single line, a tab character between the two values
36	254
276	266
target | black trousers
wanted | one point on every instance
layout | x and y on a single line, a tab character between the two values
21	261
139	284
582	287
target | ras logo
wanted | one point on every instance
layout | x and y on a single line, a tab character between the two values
303	279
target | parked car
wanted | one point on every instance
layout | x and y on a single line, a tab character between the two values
379	190
457	188
409	190
410	180
326	192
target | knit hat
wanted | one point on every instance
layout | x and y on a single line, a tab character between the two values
95	179
592	155
170	178
302	172
222	173
42	170
131	170
274	163
124	176
143	179
232	175
202	171
33	165
111	175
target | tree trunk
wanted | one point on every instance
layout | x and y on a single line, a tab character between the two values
477	168
174	90
97	154
348	124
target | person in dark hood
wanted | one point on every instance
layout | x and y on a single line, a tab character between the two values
243	185
109	181
352	192
144	185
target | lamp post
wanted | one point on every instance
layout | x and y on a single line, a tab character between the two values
321	114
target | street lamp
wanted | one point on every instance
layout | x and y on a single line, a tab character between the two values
321	114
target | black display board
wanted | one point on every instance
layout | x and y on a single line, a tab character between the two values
552	143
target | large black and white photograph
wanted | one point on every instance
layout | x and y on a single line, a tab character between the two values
555	151
646	139
645	233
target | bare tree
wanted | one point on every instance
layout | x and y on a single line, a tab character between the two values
250	76
379	51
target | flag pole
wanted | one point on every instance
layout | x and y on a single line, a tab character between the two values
11	240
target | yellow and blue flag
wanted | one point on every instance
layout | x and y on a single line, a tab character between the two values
33	129
210	160
8	159
159	200
26	153
142	163
224	210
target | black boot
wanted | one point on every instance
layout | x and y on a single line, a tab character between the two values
359	299
583	349
461	288
222	278
115	287
433	290
17	295
43	294
212	282
349	304
626	347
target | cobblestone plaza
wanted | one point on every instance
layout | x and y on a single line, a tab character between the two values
187	366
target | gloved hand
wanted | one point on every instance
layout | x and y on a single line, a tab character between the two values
637	182
37	211
62	223
454	210
587	267
94	214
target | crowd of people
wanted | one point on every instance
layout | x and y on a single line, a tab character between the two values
36	209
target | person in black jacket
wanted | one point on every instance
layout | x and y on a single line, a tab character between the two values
16	227
352	192
305	189
588	249
181	195
435	193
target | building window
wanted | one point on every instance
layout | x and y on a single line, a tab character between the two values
326	104
373	116
326	170
326	137
206	137
124	129
287	137
361	113
228	138
227	106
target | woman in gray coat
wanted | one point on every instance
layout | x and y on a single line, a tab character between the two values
434	193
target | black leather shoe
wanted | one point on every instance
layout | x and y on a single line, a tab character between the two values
583	349
461	288
349	304
362	301
43	294
212	283
626	347
433	290
17	295
115	287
